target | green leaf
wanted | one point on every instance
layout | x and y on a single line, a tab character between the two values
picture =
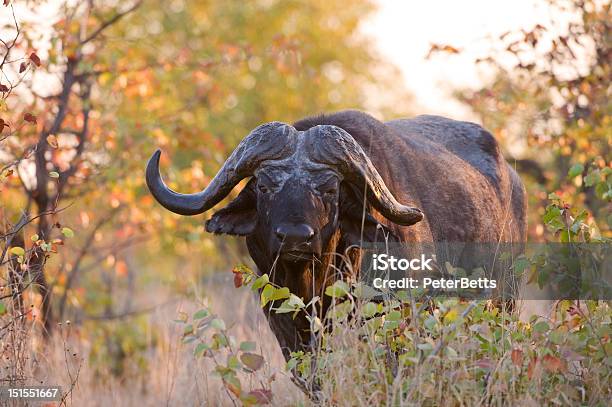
592	178
339	289
285	308
67	232
266	293
296	301
2	308
520	264
233	362
34	237
551	213
291	364
541	327
54	174
261	281
217	324
575	171
200	349
369	309
17	251
280	293
365	292
247	346
430	323
203	313
425	346
394	316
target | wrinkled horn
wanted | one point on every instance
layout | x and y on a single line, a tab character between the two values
334	146
270	141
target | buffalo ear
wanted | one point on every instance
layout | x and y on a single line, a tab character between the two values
239	216
353	217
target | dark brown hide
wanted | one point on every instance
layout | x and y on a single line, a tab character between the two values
311	185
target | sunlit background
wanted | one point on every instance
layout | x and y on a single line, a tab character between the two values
404	32
91	88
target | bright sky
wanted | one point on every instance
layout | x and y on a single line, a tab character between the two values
405	29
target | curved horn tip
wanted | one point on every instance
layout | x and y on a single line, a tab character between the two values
413	215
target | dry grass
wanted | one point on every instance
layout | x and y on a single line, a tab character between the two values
172	375
355	368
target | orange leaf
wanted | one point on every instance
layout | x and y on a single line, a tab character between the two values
52	140
450	49
517	357
233	388
121	268
553	364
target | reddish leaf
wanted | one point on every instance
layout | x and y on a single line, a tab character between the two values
7	2
22	67
252	360
517	357
237	279
262	396
35	59
30	118
553	364
4	88
533	369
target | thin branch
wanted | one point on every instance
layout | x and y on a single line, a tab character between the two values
110	22
82	253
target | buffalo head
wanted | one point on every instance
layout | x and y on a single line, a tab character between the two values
303	186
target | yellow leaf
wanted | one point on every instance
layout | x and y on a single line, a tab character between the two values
451	316
52	140
17	251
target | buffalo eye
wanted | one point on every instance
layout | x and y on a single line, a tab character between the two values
329	192
264	189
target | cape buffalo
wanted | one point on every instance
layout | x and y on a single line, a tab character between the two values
327	183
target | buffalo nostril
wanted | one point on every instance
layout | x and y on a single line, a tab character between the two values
280	234
292	235
309	234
